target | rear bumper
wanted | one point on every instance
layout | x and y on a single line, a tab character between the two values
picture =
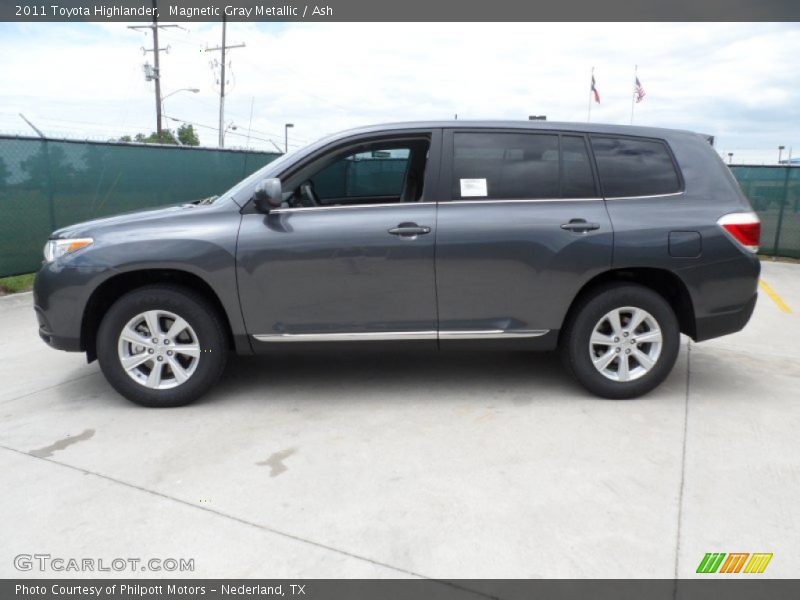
723	324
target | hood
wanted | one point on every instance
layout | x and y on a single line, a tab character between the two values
85	228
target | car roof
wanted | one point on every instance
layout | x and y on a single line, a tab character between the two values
606	128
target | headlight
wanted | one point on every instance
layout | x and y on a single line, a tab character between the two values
57	248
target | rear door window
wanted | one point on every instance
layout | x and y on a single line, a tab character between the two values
634	167
505	166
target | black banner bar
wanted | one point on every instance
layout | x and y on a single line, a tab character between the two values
715	587
401	10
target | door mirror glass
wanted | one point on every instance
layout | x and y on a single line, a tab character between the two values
268	194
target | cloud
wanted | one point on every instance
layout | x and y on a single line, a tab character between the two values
736	81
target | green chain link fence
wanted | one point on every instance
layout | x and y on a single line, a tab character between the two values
46	184
774	193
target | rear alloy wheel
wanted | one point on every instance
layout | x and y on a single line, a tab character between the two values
625	344
162	346
621	341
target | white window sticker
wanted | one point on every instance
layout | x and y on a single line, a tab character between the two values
473	188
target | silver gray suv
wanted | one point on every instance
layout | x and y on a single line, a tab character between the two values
604	242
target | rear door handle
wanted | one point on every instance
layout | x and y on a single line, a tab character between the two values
580	226
409	230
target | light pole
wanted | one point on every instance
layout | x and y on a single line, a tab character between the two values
230	127
193	90
286	137
730	157
780	153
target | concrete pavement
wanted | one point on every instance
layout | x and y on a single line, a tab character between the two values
446	465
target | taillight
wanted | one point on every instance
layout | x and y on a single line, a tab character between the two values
744	227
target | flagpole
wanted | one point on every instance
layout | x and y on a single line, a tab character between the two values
591	92
633	93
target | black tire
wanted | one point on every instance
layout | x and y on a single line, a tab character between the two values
574	345
203	319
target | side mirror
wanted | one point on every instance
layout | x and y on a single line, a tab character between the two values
268	194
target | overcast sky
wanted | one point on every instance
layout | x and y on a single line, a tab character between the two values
739	82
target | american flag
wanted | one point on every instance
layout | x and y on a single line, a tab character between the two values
594	91
638	91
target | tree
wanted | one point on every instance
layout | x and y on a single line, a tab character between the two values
167	137
187	136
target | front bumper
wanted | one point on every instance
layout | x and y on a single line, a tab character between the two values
59	342
60	295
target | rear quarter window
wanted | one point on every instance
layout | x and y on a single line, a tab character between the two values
634	167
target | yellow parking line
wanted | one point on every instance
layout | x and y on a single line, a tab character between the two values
774	296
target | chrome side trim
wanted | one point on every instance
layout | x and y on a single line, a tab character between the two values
400	335
520	201
644	197
346	337
279	211
491	334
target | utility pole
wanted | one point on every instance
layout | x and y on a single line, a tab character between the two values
156	74
156	54
222	88
222	49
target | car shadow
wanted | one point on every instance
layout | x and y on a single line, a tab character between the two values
409	375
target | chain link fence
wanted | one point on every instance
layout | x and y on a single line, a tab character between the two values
47	183
774	193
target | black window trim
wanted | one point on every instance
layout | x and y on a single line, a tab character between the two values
589	154
663	142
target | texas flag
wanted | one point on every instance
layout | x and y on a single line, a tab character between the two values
594	91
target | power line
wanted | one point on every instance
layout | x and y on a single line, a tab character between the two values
230	132
242	117
103	125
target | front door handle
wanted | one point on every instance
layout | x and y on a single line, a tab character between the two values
409	230
580	226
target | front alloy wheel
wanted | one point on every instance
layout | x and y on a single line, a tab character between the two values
162	345
158	349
